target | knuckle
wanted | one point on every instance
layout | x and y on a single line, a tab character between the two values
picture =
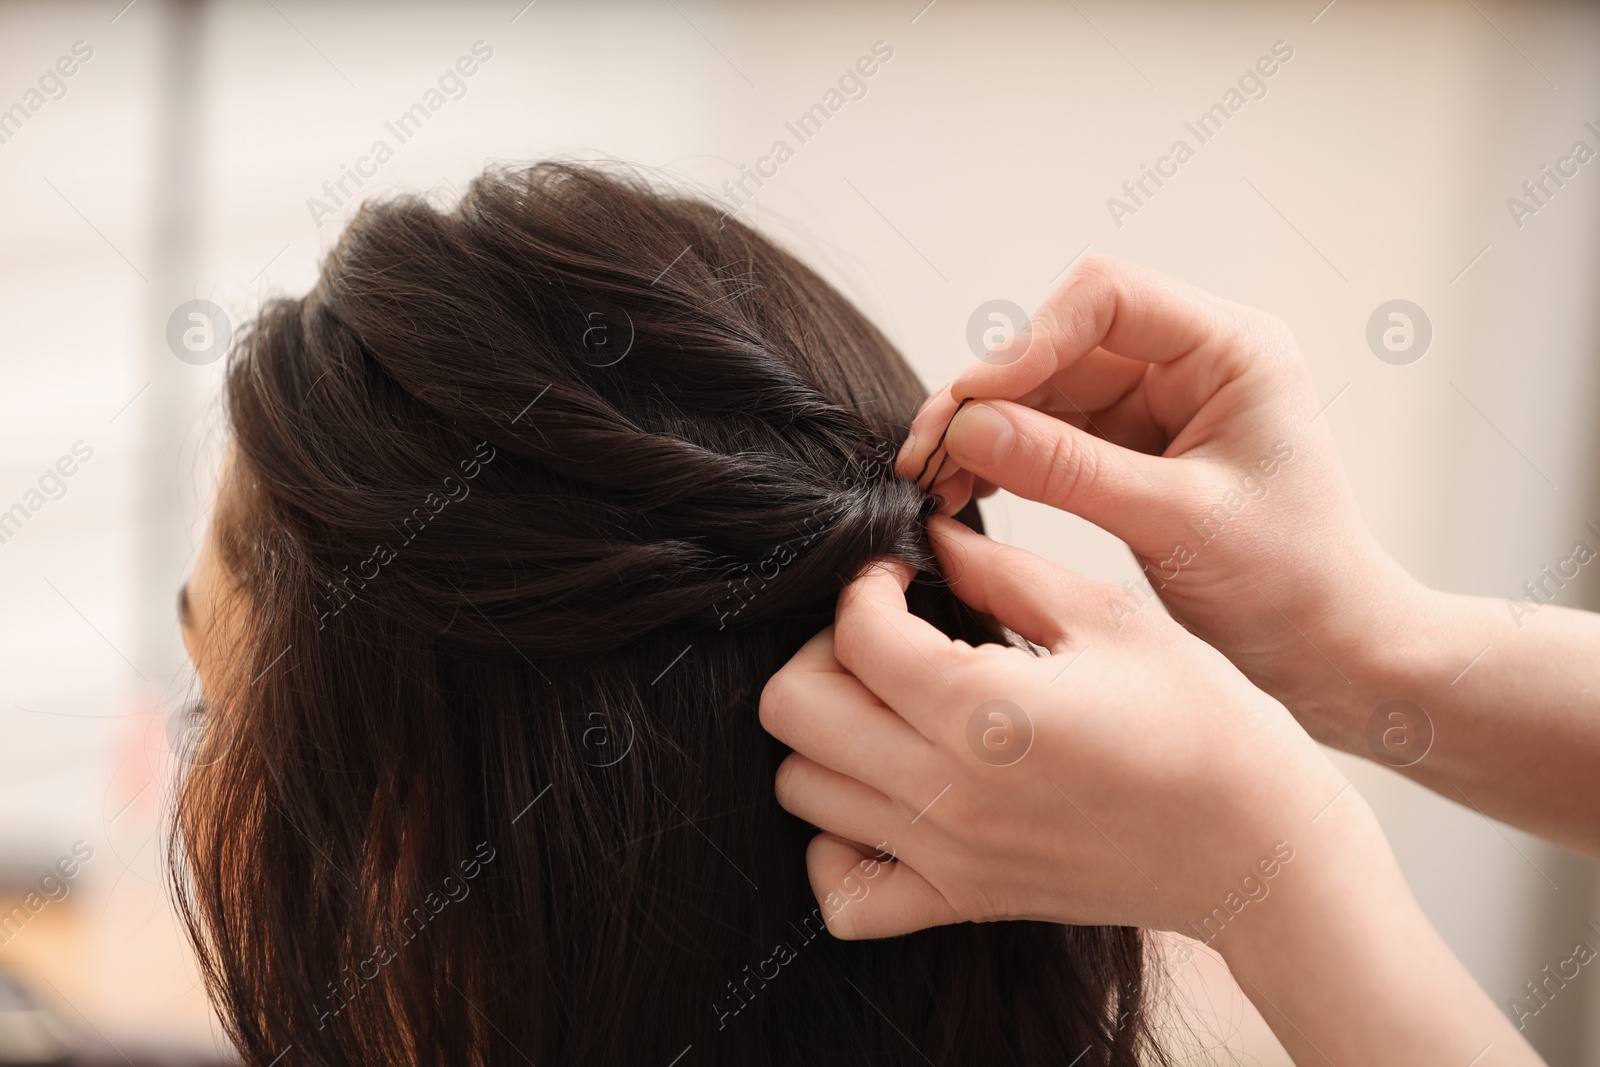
1258	338
777	697
1273	328
1018	568
969	670
847	635
1069	472
1085	300
1104	282
839	922
1012	568
785	782
1129	611
1099	267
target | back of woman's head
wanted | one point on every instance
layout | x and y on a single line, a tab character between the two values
528	501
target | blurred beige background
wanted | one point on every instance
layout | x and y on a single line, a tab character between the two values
178	161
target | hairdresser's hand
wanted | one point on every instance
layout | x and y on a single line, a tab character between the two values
1188	427
1158	788
1152	778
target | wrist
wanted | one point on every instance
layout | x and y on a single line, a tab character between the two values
1339	861
1386	639
1341	938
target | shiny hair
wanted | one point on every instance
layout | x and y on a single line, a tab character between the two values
529	499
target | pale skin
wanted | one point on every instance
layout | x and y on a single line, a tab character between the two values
210	609
1292	588
1166	760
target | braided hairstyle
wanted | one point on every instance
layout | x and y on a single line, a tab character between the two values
527	501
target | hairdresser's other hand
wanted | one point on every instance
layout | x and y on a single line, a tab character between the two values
1188	427
1158	789
1150	760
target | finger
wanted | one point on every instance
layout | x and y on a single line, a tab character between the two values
954	492
1096	382
1091	383
1103	394
832	801
834	720
1130	423
1106	395
816	655
1095	336
1136	313
1136	497
861	896
893	653
920	453
1031	596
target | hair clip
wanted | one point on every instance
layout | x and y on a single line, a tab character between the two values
938	445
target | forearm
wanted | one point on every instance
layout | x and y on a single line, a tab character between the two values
1510	701
1345	968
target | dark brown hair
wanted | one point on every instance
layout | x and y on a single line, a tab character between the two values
530	499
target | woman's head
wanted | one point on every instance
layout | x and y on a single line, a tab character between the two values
525	503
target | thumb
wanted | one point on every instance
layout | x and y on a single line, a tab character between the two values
861	897
1134	496
1027	595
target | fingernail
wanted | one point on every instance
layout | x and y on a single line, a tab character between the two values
906	449
980	436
